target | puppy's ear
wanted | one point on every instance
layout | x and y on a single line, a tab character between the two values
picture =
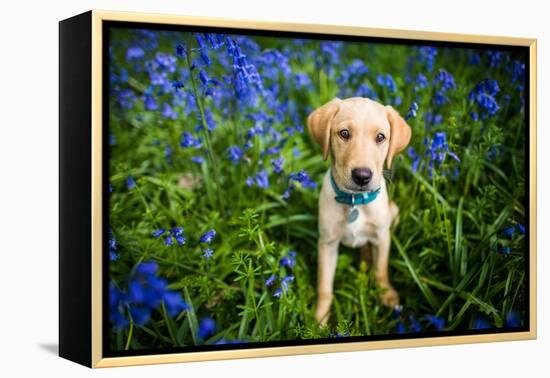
318	123
400	134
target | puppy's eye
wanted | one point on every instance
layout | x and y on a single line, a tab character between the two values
380	138
344	134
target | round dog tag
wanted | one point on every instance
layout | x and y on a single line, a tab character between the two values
353	215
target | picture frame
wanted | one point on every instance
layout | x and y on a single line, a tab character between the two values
84	323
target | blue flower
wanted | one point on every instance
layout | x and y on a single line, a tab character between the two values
386	81
481	323
197	159
505	250
289	260
426	55
483	95
286	281
207	236
174	303
495	58
400	327
262	179
145	293
513	319
181	51
278	164
234	153
134	53
189	141
421	82
436	321
130	182
207	327
303	178
270	280
415	158
443	82
414	324
278	293
158	233
521	228
509	231
169	112
113	255
150	102
412	111
437	150
208	253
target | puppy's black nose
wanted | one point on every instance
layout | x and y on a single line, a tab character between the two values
361	176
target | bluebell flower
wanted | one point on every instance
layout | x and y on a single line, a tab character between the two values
208	253
303	178
509	231
412	111
295	151
436	321
126	98
207	236
168	154
130	182
414	325
197	159
134	53
150	102
421	82
117	307
177	85
474	59
518	71
400	327
415	158
181	51
278	164
480	323
278	293
262	179
483	95
495	58
387	81
426	55
286	281
437	150
207	327
521	228
158	233
174	303
235	154
505	250
249	181
289	260
443	82
270	280
113	255
169	112
302	80
513	319
189	141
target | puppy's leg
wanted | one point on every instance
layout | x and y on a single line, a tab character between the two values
389	296
326	267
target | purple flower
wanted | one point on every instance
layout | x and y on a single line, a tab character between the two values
483	95
158	233
262	179
134	53
207	327
197	159
207	236
189	141
270	280
181	51
286	281
386	81
278	164
278	293
436	321
289	260
234	153
208	253
130	182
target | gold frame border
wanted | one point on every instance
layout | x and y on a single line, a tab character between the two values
97	332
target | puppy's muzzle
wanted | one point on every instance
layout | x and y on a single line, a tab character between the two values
361	176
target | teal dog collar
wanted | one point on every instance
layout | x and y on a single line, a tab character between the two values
353	199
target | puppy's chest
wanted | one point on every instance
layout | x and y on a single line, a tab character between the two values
359	232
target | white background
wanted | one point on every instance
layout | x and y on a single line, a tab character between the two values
29	189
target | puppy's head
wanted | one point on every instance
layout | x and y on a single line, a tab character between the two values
359	134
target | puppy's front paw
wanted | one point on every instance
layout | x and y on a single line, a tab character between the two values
389	297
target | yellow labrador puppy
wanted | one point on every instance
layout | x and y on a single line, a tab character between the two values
354	209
